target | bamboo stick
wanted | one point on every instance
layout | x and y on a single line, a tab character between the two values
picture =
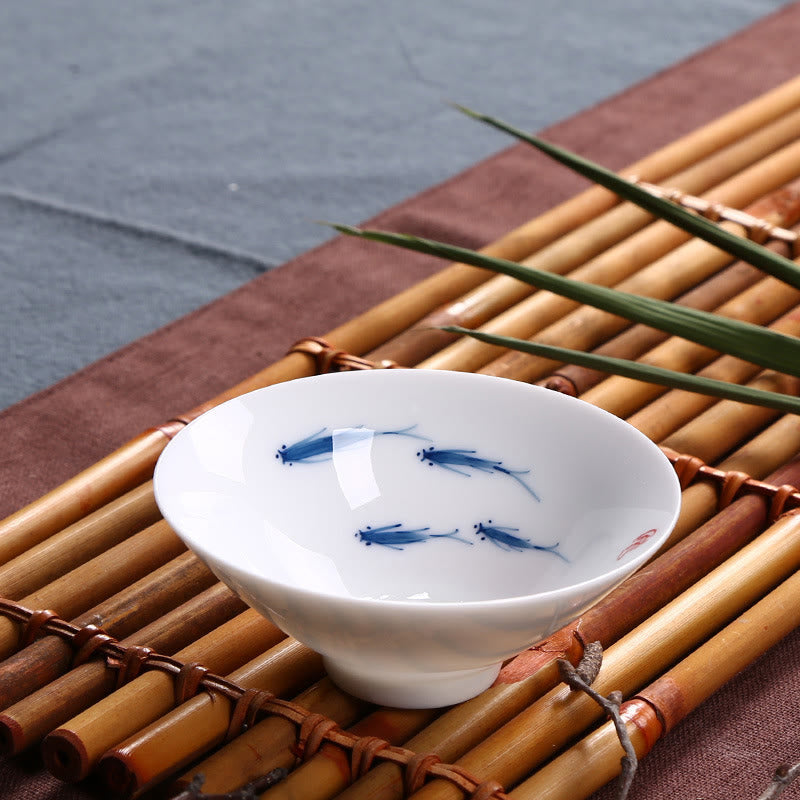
514	751
132	463
195	727
595	760
526	678
270	743
690	411
658	242
71	751
673	409
28	721
329	771
585	327
639	339
717	430
25	570
98	579
605	250
776	443
758	458
117	473
121	615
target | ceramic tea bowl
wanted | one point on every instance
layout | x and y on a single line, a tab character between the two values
416	527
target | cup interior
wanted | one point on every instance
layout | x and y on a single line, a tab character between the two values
412	486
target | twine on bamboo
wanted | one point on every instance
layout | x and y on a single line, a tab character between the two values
328	358
732	483
756	229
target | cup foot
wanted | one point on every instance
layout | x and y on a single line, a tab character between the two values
411	689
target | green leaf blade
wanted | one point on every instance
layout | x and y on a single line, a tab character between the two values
761	257
761	346
638	371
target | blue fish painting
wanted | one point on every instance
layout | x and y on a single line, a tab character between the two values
461	461
319	446
506	539
394	536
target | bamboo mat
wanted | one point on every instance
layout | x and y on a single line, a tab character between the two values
733	740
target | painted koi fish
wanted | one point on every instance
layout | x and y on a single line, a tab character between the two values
466	459
393	536
506	539
319	446
637	542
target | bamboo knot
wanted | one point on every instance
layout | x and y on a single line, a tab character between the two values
87	641
188	681
646	716
245	711
313	731
363	754
328	358
755	228
172	427
35	625
131	664
416	771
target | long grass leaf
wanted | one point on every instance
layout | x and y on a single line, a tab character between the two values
764	259
642	372
752	343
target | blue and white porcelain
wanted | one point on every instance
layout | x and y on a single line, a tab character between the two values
416	527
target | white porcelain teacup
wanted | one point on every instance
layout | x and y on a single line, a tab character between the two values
416	527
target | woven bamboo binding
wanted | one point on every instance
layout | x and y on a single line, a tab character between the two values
248	704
